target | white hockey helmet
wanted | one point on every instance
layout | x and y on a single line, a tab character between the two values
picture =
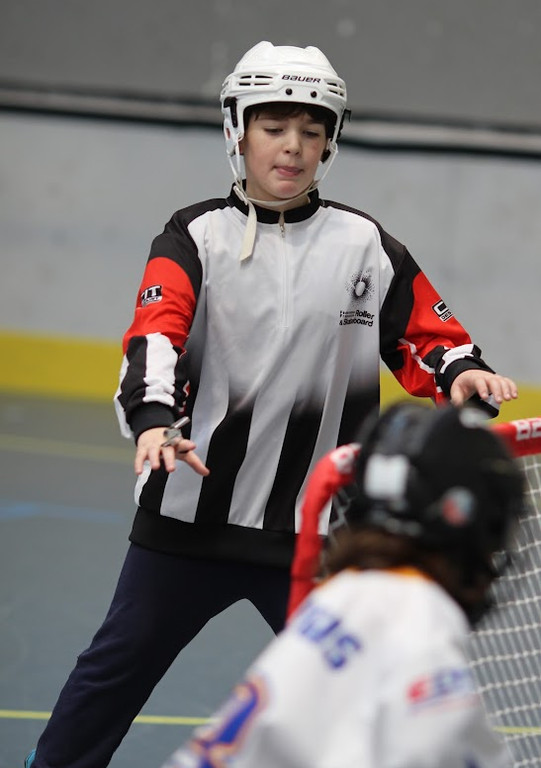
285	73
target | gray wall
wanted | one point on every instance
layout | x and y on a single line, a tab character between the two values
80	201
466	59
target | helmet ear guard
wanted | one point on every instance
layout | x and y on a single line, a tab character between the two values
230	103
332	143
230	125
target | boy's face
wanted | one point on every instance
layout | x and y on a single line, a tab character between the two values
281	155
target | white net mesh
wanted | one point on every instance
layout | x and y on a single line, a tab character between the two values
507	646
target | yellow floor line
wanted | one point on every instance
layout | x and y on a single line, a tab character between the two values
520	730
22	714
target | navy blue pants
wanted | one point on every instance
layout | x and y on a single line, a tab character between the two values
161	602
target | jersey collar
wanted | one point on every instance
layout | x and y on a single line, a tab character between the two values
270	216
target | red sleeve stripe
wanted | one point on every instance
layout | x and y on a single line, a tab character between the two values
425	331
169	305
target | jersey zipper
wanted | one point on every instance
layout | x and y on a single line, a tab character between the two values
282	224
285	273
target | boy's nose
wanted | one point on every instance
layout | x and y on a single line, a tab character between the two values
293	142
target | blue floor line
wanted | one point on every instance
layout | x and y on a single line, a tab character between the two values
22	510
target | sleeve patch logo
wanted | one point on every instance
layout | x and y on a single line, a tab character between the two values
151	295
453	682
442	311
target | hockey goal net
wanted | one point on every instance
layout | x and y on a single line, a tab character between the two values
506	648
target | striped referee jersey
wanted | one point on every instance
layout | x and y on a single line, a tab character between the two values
276	361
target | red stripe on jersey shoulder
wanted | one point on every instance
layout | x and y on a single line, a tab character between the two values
165	304
430	316
431	324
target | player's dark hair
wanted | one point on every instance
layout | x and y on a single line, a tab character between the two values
282	109
376	549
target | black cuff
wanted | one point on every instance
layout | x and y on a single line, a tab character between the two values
459	366
150	415
468	364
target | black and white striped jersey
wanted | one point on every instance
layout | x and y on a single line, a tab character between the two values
275	359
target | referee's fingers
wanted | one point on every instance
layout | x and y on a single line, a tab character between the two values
183	450
193	460
146	453
175	450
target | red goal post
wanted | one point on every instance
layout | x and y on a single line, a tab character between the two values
523	436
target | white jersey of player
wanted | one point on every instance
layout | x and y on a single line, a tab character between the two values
371	672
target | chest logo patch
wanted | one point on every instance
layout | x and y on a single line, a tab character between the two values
360	289
360	286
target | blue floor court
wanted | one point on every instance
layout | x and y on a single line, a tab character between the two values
66	506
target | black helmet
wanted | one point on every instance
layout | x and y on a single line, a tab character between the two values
441	476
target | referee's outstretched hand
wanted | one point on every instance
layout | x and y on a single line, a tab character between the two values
484	384
150	448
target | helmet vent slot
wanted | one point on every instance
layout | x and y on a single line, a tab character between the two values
336	88
254	80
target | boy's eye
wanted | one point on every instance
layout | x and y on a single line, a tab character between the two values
309	132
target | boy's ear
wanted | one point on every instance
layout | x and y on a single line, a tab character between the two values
241	147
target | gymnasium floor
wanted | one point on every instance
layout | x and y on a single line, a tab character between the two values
66	505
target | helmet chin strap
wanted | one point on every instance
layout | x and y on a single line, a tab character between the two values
251	225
